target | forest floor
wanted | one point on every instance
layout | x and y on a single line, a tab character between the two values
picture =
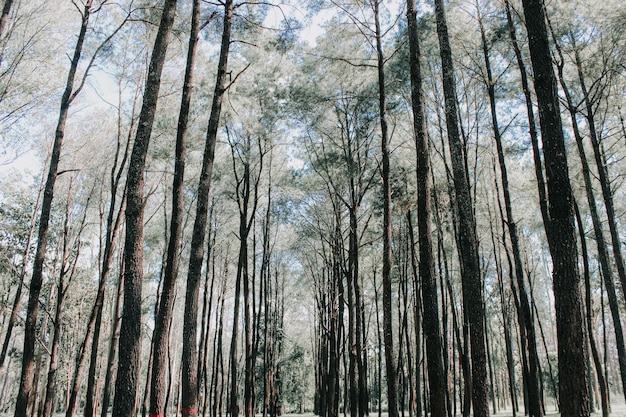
617	410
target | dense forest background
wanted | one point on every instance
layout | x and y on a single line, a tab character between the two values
341	207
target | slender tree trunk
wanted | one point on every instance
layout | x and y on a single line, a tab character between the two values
190	325
574	394
417	313
114	342
432	332
529	342
390	359
28	355
165	311
604	395
510	361
468	244
130	330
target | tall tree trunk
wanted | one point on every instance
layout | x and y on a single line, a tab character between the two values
432	332
529	340
165	311
390	359
574	394
130	331
30	328
190	325
468	244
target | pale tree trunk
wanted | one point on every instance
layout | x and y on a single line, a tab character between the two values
573	389
124	404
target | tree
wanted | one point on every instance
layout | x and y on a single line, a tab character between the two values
467	242
189	361
69	94
166	305
130	330
573	389
436	372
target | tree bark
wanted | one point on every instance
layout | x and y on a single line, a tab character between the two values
190	324
431	324
573	389
130	331
165	312
468	244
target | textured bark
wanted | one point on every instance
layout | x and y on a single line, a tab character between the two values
431	324
163	320
573	389
467	241
190	325
130	331
28	355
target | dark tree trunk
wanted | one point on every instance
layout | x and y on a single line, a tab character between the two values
164	316
527	328
390	360
467	241
130	331
573	389
190	325
432	332
30	328
604	394
113	343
